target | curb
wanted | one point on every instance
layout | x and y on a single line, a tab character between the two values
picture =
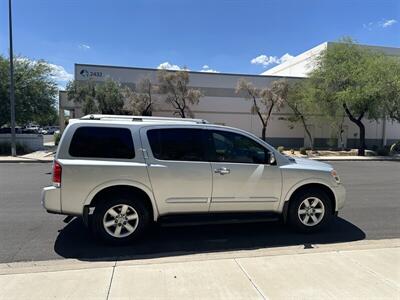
25	161
354	159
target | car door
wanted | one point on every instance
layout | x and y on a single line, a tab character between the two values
243	178
180	176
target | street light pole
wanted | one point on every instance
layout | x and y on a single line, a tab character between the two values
12	94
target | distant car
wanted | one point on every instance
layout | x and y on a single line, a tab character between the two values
121	173
49	129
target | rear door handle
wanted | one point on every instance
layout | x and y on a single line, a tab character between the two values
222	171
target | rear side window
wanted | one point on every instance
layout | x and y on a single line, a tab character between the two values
102	142
177	144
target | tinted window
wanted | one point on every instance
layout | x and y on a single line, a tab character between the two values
176	144
102	142
232	147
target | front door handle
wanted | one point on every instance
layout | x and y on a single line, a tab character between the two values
222	171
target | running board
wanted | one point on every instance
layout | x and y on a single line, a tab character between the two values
216	218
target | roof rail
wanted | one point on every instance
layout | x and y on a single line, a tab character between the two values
141	118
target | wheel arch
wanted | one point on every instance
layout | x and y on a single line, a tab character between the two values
308	185
126	186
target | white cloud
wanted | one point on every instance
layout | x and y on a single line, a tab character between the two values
285	57
60	74
388	23
167	66
266	60
84	46
385	23
207	69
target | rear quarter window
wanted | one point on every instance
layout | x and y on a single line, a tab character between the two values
102	142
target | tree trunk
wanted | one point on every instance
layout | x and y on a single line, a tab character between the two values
361	148
361	127
263	133
307	131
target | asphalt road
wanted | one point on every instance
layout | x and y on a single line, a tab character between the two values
28	233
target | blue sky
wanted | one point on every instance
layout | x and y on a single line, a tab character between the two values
226	36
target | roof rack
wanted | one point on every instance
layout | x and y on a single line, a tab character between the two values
141	119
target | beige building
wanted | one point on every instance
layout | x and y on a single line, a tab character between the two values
222	105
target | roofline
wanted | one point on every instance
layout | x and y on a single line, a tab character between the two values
194	72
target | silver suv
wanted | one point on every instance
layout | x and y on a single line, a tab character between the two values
121	173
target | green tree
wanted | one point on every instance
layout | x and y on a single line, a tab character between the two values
105	98
352	79
174	85
83	93
301	106
109	98
35	91
264	100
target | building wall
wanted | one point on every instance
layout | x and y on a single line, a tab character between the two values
305	62
221	105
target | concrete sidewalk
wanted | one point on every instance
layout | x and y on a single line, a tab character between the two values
366	269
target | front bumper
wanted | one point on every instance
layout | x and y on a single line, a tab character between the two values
51	199
340	196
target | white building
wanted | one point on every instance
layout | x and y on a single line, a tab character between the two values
222	105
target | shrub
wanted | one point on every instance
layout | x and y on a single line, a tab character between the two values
383	151
281	149
57	137
395	148
374	148
5	149
303	151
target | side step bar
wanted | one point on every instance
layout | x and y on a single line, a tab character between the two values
216	218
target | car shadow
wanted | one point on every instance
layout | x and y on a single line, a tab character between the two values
75	240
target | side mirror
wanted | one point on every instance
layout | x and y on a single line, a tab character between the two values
270	158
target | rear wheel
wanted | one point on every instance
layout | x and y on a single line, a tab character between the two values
310	211
119	219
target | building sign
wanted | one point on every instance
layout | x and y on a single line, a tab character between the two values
90	74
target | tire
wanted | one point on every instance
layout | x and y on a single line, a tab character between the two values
310	211
119	220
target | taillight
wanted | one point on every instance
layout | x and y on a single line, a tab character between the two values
57	169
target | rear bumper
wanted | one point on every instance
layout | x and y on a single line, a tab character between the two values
51	199
340	196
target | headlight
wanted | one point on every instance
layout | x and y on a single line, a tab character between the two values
335	176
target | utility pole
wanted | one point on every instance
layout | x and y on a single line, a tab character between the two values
12	94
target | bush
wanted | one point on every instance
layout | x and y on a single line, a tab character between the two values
5	149
303	151
383	151
57	137
395	148
281	149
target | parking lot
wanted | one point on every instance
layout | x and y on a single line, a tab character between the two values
28	233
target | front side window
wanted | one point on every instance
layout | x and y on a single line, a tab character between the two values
102	142
236	148
176	144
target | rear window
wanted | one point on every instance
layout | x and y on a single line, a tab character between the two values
102	142
176	144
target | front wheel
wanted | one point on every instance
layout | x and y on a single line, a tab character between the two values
310	211
119	220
